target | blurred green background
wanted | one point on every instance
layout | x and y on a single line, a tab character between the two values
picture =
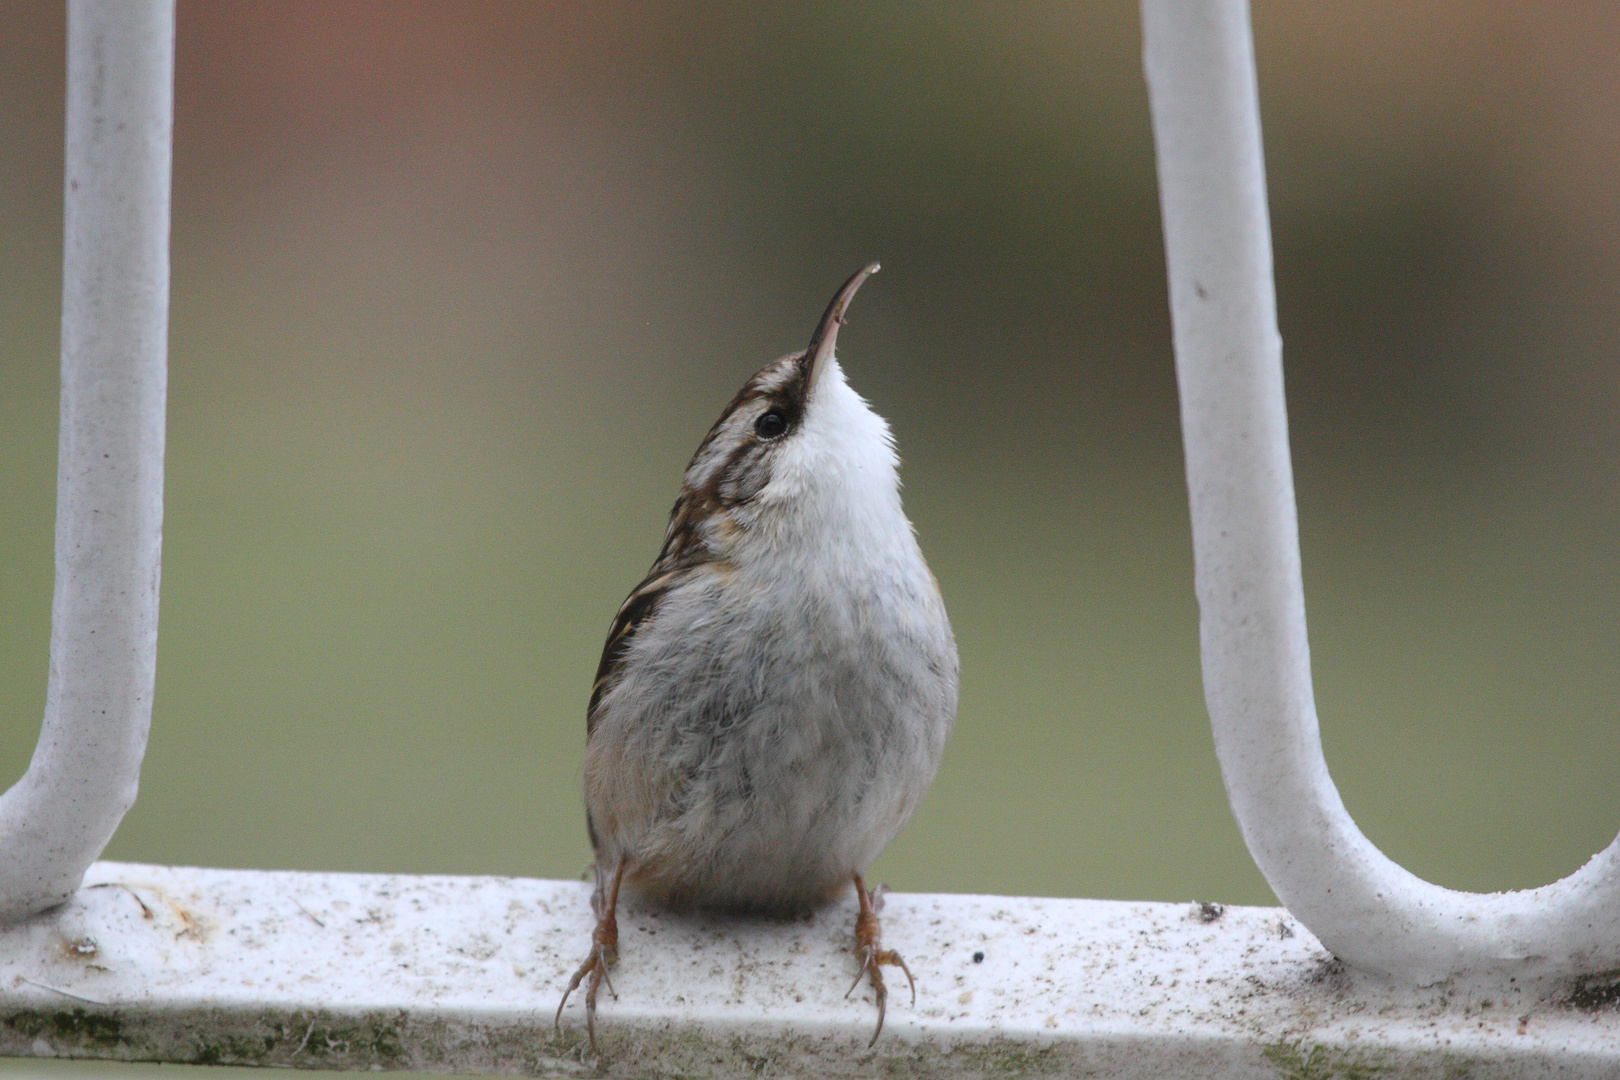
457	288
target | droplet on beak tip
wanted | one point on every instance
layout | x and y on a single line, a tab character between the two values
826	335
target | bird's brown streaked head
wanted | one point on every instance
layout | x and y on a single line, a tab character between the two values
732	464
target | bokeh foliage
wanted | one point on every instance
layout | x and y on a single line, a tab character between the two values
457	287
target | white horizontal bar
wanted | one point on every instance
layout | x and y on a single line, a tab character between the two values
151	963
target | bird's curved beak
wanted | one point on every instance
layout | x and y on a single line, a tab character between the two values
822	341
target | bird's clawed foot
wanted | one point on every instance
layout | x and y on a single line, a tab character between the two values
604	951
868	946
603	955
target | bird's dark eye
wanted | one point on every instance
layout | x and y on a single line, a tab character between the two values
770	425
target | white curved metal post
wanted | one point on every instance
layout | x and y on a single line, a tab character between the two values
56	820
1199	59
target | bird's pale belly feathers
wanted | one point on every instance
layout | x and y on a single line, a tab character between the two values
740	770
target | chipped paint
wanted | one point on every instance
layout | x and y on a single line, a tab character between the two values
438	974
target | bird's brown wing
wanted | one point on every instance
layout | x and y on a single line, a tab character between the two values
635	610
681	551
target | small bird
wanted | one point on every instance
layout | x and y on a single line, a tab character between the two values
774	698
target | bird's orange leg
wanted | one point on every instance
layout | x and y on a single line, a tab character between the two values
868	946
604	952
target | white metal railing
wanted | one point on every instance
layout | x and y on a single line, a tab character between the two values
1251	600
109	478
252	967
462	974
